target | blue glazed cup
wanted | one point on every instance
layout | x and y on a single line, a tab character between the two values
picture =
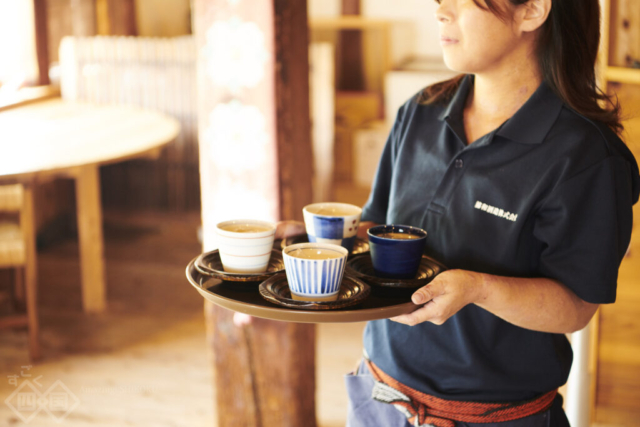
333	223
393	254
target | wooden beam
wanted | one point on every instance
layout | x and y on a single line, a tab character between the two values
293	114
116	17
351	69
83	17
264	373
27	223
103	24
92	266
42	40
349	22
122	18
351	7
623	75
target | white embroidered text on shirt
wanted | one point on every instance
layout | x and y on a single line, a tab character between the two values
496	211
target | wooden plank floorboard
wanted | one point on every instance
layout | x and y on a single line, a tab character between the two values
144	362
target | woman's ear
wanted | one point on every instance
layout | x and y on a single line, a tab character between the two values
532	14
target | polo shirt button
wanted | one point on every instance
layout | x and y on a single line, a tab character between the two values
459	163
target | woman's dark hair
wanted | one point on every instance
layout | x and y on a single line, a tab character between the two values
567	53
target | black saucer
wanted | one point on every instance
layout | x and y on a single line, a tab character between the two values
209	264
276	290
361	267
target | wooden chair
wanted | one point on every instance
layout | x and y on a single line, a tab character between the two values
18	251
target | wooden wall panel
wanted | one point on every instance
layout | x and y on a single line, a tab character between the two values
624	33
151	73
68	18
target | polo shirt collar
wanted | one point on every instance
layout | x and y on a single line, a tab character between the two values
529	125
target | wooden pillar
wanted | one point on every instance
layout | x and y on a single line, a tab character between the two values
116	17
92	268
42	40
122	18
83	17
31	273
293	109
255	161
351	72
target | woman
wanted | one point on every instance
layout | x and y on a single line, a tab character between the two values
516	171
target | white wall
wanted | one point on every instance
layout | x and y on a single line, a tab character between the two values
420	12
323	8
17	45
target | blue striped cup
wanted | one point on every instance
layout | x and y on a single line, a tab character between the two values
314	270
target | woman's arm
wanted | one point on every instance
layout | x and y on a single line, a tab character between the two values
538	304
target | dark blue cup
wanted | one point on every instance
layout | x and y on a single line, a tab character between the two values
393	254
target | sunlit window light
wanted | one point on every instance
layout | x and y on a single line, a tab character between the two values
18	58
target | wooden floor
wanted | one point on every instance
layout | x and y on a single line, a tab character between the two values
144	362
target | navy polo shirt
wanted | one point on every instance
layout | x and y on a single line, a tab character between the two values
547	194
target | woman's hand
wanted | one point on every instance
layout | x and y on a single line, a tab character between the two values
447	294
538	303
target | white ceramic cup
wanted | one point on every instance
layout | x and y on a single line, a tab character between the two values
314	270
245	245
334	223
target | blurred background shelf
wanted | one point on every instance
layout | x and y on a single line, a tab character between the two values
623	75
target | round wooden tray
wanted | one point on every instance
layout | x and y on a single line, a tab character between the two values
246	299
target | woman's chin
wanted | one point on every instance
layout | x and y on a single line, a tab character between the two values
457	69
458	65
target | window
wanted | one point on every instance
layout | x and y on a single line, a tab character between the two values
18	58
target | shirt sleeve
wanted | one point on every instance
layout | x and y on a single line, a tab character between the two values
585	229
375	209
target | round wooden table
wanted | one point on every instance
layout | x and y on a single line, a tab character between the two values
56	138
